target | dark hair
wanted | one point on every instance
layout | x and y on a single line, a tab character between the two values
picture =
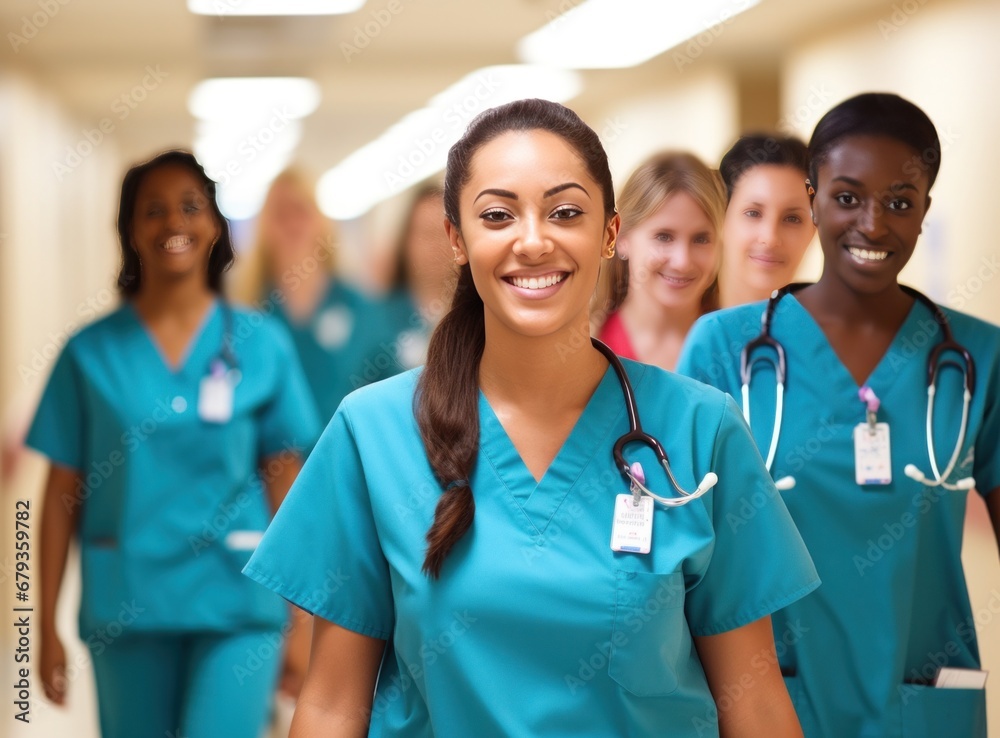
403	277
447	400
878	114
756	149
222	256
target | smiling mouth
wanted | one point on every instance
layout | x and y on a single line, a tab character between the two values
536	283
867	256
677	281
177	243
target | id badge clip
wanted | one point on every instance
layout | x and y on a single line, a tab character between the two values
632	525
215	395
872	450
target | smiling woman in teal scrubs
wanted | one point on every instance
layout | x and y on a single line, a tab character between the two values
174	427
893	607
452	529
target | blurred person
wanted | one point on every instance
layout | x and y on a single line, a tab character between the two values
892	417
425	275
672	209
468	506
174	427
344	337
768	225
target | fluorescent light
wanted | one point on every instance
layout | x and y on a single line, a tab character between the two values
247	132
227	98
416	147
273	7
607	34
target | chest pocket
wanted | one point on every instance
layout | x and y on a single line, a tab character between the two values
650	638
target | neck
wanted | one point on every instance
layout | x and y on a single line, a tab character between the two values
734	291
831	296
557	371
186	298
643	316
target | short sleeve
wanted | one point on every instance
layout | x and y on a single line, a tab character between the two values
759	563
290	417
321	551
59	424
986	465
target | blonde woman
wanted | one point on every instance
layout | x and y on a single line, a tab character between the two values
344	338
672	209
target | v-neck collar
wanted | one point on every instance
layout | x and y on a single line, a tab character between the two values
539	501
189	350
883	375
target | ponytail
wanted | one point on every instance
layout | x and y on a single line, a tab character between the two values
448	417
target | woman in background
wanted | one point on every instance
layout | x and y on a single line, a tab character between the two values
425	275
344	338
672	209
768	224
174	426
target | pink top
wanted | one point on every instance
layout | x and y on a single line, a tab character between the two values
613	333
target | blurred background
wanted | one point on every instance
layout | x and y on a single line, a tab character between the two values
369	101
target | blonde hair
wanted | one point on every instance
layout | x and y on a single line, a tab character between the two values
256	272
659	177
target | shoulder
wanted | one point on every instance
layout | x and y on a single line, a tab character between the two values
963	323
109	327
658	387
732	319
373	401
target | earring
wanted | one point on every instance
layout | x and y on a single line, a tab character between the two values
810	190
610	250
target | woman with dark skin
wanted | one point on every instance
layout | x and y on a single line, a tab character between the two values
173	426
886	538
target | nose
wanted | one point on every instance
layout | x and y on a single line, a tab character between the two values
871	219
769	234
680	256
532	242
176	218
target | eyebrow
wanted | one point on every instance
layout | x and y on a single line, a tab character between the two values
896	186
548	193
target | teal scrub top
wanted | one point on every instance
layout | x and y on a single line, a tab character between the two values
349	341
536	627
893	605
413	331
172	505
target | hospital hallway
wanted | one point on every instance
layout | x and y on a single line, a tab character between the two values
351	106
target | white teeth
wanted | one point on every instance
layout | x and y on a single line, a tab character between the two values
177	243
537	283
866	255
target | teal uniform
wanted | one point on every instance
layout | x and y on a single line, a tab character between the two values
893	606
536	627
172	504
349	341
413	332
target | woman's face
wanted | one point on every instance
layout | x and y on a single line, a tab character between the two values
173	225
768	227
869	205
428	252
673	255
533	229
290	222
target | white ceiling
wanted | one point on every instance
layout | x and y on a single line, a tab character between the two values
90	52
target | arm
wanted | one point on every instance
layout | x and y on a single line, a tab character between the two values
279	472
336	699
993	505
60	515
742	667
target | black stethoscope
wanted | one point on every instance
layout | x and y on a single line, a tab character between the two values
934	363
637	435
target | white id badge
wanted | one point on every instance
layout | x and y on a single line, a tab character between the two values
632	529
872	460
955	678
215	398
